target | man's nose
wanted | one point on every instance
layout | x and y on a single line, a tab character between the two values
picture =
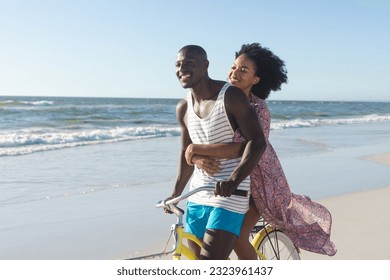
180	68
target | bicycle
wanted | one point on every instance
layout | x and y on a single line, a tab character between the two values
269	243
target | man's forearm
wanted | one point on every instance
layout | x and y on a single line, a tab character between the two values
183	176
253	152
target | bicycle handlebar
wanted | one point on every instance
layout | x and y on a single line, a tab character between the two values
170	202
164	203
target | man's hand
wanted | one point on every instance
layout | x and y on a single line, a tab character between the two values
225	188
167	209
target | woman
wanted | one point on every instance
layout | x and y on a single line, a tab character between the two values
257	72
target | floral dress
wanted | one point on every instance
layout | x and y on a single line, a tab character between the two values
305	222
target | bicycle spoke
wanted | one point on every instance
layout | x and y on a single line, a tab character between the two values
277	246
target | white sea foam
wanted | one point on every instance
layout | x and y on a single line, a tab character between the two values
296	123
28	141
11	102
38	103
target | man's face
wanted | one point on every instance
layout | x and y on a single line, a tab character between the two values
190	68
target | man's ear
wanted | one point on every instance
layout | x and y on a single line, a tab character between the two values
206	63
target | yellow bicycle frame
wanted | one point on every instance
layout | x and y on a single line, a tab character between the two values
179	234
258	238
182	249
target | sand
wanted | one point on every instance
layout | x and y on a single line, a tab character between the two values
361	227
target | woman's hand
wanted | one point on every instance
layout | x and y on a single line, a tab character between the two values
207	164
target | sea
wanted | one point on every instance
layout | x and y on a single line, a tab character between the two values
38	124
80	176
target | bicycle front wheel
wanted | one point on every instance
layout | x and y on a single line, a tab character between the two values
275	245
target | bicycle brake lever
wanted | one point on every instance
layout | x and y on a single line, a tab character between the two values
181	210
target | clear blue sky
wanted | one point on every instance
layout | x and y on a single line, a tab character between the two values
333	49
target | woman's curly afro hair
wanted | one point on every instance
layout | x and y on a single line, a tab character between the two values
269	67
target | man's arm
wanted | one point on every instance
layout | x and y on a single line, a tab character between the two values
243	116
184	170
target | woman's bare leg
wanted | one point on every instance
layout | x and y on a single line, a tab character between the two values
243	248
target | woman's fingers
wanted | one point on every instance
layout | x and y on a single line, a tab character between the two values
207	164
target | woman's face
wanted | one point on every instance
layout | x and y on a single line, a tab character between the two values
242	74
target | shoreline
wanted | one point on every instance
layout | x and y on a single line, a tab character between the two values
383	158
95	202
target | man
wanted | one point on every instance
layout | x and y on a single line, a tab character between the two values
210	113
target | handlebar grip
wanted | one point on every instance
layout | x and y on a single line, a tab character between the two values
240	193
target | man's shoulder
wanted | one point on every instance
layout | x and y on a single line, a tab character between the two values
217	85
182	104
233	93
233	89
235	100
181	110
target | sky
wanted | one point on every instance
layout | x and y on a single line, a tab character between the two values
333	49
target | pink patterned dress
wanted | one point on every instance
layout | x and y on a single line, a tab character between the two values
305	222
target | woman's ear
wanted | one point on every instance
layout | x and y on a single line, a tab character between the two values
256	80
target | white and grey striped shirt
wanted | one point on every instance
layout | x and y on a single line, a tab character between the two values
215	128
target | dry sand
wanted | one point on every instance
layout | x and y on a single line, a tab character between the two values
361	225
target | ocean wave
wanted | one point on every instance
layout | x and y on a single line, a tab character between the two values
40	138
28	141
10	102
298	123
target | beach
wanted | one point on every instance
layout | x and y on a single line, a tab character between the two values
360	227
121	222
83	186
358	216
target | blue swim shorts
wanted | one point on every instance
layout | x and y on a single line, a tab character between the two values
199	218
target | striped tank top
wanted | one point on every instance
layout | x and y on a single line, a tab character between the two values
215	128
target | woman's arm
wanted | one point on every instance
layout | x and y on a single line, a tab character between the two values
228	151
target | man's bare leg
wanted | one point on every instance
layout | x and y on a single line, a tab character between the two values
194	248
217	244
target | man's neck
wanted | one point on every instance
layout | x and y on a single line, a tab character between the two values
207	90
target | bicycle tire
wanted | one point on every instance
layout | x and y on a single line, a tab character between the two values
275	245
